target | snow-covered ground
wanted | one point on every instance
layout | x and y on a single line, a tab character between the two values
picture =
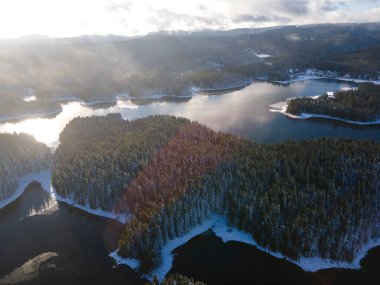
131	262
44	178
313	77
281	107
260	55
31	98
377	82
263	55
220	227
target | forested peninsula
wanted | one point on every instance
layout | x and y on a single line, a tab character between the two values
361	105
311	198
20	155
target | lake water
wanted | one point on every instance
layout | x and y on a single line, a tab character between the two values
34	224
244	112
209	259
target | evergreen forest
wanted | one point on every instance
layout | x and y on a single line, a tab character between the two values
361	105
309	198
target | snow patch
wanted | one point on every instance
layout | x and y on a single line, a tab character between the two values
260	55
349	88
30	98
131	262
331	95
263	55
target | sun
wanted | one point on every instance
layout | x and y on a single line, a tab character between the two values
53	18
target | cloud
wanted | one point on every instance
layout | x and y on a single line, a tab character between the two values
330	6
259	18
295	7
130	17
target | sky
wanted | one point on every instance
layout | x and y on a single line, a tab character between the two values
70	18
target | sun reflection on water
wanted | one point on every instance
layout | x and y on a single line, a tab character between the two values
47	130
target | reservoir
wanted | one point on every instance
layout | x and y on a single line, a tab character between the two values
68	246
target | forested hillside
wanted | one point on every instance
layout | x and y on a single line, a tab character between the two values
98	157
311	198
356	105
20	155
360	63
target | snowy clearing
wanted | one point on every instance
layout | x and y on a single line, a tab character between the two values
44	178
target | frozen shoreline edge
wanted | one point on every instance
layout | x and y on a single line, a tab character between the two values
227	233
281	107
44	178
312	77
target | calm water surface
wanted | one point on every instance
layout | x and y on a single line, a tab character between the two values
34	224
244	112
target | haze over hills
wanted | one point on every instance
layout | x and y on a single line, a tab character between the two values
98	67
150	122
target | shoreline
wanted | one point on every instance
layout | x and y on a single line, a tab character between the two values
313	77
63	100
281	107
115	99
195	91
217	223
44	178
227	233
214	91
4	119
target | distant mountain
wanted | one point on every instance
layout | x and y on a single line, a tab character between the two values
96	67
218	33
